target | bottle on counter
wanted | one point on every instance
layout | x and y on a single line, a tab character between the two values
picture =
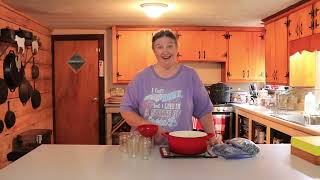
309	103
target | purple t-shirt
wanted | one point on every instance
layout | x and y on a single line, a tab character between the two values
168	102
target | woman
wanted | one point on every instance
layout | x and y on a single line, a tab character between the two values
167	93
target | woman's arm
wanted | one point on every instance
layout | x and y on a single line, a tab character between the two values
208	126
134	120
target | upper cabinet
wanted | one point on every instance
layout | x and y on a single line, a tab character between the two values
246	57
277	52
316	12
202	46
240	52
131	53
301	23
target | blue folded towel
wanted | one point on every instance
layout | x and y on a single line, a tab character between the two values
236	148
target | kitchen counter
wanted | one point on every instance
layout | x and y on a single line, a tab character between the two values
265	113
102	162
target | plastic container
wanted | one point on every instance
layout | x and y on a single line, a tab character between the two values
309	103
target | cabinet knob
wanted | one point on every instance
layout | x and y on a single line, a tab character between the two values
204	54
199	55
118	74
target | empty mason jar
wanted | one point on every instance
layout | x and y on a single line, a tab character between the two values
123	138
133	144
145	147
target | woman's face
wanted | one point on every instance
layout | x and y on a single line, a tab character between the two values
165	50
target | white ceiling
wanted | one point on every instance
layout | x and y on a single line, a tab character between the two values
101	14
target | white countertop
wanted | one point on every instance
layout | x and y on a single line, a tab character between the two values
103	162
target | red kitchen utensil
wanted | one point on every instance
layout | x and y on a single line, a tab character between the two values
182	142
147	130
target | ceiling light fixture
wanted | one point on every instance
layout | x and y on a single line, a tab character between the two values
154	10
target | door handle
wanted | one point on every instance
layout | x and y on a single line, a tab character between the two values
95	99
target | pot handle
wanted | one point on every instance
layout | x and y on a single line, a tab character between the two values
165	134
210	135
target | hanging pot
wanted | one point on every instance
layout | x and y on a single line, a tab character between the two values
12	75
36	97
1	126
10	118
3	91
7	35
25	91
34	70
25	34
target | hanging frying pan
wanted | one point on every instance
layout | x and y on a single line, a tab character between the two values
10	118
3	91
1	126
36	97
34	70
25	89
12	75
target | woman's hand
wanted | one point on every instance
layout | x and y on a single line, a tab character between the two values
216	140
159	138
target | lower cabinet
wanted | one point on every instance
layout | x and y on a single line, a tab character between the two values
263	131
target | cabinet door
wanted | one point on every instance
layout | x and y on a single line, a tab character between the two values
281	51
270	52
190	45
256	70
293	32
132	56
316	8
150	57
214	46
305	21
238	55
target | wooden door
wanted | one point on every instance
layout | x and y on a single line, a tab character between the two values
76	109
256	69
316	7
270	52
238	55
215	46
305	21
293	32
132	56
190	45
281	51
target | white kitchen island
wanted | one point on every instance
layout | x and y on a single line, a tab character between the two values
106	162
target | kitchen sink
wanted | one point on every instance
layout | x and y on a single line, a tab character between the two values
294	118
298	118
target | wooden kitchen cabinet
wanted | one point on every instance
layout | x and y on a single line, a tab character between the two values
300	23
209	46
246	56
132	53
276	49
316	8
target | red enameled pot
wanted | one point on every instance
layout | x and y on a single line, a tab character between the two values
188	142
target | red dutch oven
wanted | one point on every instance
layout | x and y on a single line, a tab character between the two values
188	142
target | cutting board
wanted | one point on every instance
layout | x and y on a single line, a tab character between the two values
307	148
310	144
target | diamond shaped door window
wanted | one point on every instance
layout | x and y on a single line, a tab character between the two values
76	62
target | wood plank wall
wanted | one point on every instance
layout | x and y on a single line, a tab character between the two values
27	117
